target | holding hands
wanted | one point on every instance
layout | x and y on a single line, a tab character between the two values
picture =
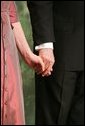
44	62
48	58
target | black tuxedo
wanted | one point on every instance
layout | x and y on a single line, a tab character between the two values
60	22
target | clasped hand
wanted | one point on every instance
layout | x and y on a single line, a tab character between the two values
46	62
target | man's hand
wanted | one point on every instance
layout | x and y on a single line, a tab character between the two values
48	58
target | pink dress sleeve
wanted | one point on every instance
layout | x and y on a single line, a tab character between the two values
13	12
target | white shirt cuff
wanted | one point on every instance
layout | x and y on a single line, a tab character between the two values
45	45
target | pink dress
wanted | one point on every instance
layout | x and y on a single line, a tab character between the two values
12	105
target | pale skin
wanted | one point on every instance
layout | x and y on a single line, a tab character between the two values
30	58
47	56
43	63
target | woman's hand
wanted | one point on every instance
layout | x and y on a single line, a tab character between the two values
36	63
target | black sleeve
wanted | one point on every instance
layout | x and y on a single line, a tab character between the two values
41	14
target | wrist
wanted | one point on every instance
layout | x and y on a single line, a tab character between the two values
27	55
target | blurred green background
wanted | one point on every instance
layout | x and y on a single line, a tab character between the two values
27	73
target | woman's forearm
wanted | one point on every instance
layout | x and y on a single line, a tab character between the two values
30	58
21	41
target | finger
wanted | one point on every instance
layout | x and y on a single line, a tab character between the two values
39	67
46	65
47	73
48	70
41	72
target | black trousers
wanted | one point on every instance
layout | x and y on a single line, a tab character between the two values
60	99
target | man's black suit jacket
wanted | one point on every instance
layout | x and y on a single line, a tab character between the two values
61	22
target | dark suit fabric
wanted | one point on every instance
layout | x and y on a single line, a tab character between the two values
60	22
